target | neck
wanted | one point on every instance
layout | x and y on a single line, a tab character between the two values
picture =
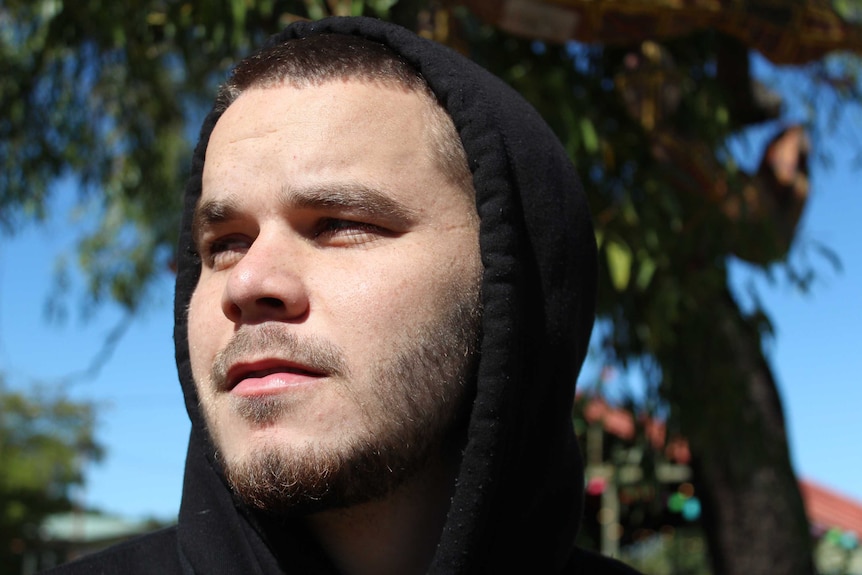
394	535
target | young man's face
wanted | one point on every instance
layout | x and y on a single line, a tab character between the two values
336	315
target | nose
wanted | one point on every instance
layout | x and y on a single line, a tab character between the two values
265	285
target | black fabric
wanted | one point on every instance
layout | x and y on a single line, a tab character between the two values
518	499
152	553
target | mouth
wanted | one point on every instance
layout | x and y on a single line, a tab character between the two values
269	376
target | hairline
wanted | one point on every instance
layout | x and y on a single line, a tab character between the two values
446	147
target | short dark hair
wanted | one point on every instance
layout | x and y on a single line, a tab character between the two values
323	58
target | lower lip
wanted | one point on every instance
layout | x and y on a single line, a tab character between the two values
273	383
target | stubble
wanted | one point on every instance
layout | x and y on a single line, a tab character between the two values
417	412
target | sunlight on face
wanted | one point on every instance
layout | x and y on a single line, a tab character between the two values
335	320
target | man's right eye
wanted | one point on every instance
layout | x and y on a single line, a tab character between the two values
224	252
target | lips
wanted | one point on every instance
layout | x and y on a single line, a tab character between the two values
269	376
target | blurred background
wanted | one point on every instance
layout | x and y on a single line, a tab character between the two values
719	143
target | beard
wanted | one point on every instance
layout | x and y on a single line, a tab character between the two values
417	412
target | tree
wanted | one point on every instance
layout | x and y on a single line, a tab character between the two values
46	439
110	94
672	207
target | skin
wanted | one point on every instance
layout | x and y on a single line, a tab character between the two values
324	215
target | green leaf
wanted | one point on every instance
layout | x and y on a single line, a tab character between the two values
619	258
646	271
589	136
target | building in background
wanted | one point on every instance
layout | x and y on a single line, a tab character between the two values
67	536
642	504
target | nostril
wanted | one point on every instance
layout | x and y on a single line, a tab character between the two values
271	302
232	311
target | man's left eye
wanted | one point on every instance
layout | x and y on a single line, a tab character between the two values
347	231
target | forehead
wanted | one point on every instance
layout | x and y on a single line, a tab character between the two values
335	108
333	126
376	135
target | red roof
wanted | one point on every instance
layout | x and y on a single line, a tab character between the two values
825	508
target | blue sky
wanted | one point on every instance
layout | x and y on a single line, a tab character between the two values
142	420
816	353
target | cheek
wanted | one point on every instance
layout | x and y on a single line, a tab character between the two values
363	306
201	333
378	305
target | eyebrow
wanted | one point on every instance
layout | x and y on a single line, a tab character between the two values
355	198
209	213
358	200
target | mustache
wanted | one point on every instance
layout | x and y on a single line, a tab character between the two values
274	341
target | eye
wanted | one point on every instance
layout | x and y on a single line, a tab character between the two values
223	252
335	231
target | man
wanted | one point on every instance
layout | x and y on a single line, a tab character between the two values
384	296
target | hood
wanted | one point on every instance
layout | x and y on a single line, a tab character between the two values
518	497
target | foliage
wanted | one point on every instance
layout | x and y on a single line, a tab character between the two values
104	93
46	439
109	94
675	552
837	552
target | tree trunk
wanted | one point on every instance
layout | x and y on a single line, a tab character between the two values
725	400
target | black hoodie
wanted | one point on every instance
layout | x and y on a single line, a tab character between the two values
518	498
